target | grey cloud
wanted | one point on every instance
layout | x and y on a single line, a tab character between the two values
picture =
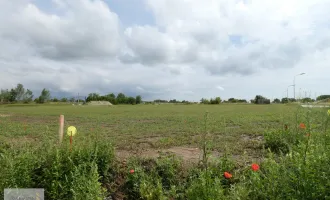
148	44
250	59
83	33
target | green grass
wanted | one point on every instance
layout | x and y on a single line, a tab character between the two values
295	164
145	126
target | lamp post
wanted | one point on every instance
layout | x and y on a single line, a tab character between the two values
294	84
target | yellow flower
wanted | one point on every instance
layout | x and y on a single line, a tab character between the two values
71	131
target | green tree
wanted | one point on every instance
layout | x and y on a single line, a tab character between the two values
13	95
307	100
44	96
138	99
20	91
232	100
93	97
205	101
4	96
276	100
64	100
121	98
131	100
28	96
322	97
217	100
111	98
242	101
261	100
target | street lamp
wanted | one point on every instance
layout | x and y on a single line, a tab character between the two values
294	84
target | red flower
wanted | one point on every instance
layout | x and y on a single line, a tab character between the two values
255	167
307	135
285	127
302	126
131	171
227	175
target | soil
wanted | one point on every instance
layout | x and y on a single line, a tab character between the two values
188	154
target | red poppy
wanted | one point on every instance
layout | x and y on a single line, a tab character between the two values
307	135
286	127
131	171
255	167
302	126
227	175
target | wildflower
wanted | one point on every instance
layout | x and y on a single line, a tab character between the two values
227	175
255	167
302	126
328	112
285	127
131	171
307	135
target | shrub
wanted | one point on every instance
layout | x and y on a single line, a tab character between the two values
275	142
205	187
64	174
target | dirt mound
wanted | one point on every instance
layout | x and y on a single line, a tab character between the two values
99	103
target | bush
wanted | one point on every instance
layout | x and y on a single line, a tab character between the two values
275	142
64	174
164	172
205	187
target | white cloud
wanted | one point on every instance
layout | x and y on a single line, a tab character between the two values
248	47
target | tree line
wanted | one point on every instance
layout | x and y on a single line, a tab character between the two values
22	95
19	94
112	98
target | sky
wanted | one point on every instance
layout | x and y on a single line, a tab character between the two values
166	49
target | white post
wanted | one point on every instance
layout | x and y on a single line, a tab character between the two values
61	129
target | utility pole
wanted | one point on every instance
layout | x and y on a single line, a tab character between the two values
294	84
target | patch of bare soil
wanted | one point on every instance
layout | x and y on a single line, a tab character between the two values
188	154
251	137
4	115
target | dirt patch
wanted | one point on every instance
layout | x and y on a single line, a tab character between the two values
4	115
251	137
188	154
148	142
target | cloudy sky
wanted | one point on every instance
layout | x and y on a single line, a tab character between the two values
183	49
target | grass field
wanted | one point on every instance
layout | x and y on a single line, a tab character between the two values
144	127
120	151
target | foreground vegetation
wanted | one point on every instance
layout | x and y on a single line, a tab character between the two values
291	161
